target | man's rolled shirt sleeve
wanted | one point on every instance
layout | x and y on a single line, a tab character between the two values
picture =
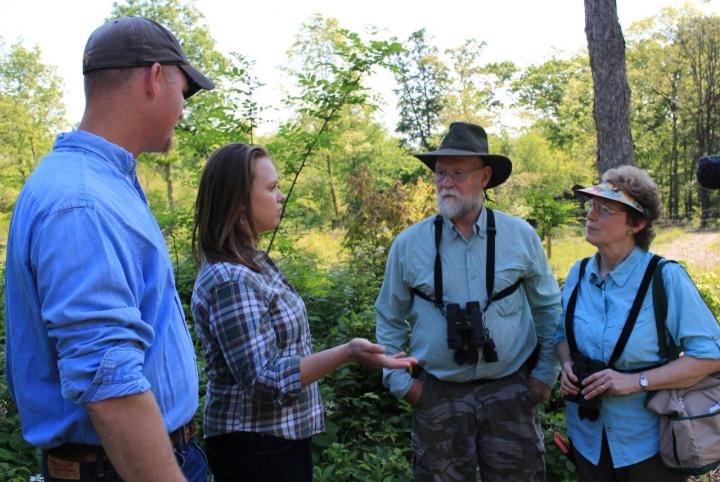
392	328
89	306
543	296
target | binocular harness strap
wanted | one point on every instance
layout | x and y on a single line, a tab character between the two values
438	264
632	315
489	267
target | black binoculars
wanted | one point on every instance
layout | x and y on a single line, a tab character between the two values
466	332
584	366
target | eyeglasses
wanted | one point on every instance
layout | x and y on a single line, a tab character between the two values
458	175
601	210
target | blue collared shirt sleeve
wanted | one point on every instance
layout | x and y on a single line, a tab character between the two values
239	320
543	296
393	329
689	320
89	306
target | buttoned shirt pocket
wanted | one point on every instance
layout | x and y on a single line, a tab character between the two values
505	277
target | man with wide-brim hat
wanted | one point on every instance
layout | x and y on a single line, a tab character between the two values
470	294
464	140
100	361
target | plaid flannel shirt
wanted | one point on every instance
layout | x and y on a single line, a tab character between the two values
254	330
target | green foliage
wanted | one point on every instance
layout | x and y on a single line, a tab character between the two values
708	284
557	466
569	247
475	90
672	60
367	433
549	213
31	112
559	92
337	65
422	80
378	216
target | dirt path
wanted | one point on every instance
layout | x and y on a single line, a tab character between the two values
700	248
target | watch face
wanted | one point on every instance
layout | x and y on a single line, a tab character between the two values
643	382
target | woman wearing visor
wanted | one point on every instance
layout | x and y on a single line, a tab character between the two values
614	437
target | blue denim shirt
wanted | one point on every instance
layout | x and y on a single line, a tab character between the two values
600	314
91	307
516	323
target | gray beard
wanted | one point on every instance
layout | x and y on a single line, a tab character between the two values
456	206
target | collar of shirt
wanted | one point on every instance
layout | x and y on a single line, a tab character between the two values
622	271
479	226
115	155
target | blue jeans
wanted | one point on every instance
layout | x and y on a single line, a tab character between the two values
190	458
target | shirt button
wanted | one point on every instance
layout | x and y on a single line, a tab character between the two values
609	429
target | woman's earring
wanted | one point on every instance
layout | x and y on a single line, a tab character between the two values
242	220
629	232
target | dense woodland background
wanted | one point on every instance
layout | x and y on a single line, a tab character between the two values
354	184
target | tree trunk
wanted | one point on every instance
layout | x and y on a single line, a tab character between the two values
169	186
674	211
548	240
611	104
674	180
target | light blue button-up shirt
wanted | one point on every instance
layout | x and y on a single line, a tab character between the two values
516	323
91	307
600	314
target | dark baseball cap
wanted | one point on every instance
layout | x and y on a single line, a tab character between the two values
135	42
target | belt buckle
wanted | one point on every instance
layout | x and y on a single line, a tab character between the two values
182	435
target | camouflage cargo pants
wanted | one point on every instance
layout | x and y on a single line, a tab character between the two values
493	426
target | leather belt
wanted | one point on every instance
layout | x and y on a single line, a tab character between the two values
84	453
180	437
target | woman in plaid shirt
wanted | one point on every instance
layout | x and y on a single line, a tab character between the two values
263	403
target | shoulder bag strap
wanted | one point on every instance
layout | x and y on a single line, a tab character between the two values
660	308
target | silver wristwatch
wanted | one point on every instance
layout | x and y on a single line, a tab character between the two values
643	382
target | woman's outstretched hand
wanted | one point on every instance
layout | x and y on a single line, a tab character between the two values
371	354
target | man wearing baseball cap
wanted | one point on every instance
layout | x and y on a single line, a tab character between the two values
469	293
99	357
